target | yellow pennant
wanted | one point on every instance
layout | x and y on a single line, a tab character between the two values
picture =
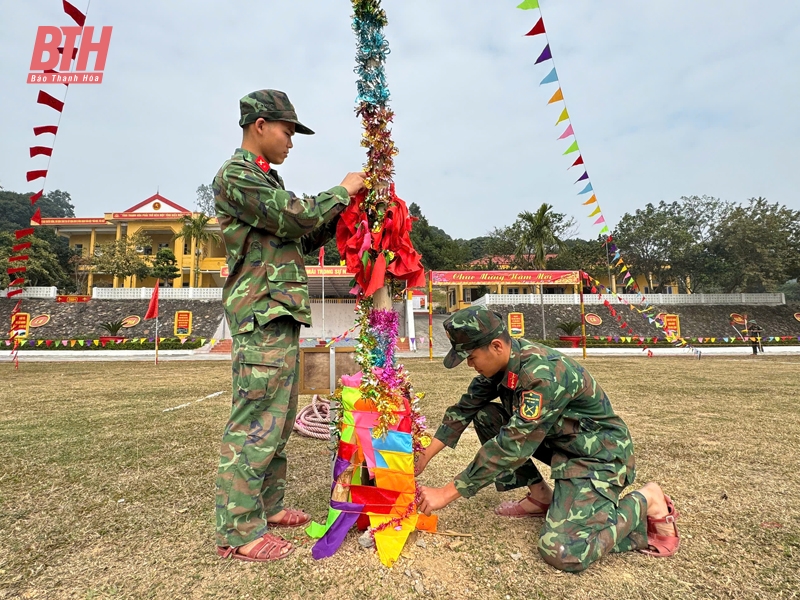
564	116
596	212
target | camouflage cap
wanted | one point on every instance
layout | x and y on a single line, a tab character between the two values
471	328
270	105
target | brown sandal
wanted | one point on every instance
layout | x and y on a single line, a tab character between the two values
292	518
662	546
514	510
267	550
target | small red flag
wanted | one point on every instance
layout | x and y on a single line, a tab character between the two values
48	100
579	161
73	12
322	256
152	309
36	196
45	129
37	217
41	151
38	174
537	29
21	233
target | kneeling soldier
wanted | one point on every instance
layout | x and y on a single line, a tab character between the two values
551	409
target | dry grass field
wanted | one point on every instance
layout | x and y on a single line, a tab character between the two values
104	495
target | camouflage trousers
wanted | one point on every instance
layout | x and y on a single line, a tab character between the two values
252	468
586	520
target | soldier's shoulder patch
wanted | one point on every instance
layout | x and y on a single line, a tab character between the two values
530	406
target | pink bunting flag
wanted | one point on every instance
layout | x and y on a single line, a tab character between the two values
567	133
600	220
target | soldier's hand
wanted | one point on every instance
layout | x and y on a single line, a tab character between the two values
432	499
354	182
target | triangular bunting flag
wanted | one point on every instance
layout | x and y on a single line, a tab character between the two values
564	116
572	148
37	217
595	212
557	97
567	133
577	162
545	55
538	29
591	200
586	190
583	177
601	220
529	4
552	77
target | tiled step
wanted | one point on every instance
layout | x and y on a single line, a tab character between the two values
222	347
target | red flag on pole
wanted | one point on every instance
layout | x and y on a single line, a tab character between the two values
322	256
152	309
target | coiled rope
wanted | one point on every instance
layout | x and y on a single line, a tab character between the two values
314	420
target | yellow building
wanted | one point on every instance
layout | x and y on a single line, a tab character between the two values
160	220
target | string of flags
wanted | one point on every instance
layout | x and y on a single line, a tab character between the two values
88	342
584	182
18	258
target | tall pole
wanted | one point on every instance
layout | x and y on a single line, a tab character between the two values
156	338
430	315
541	303
323	302
583	313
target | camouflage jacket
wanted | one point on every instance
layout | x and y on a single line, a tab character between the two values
553	401
267	230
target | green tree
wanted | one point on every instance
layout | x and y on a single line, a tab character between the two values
43	267
123	257
205	200
195	227
582	255
439	251
757	247
165	266
539	235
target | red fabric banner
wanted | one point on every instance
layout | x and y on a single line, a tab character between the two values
577	162
73	12
45	129
12	293
16	270
36	196
54	72
21	258
40	174
41	151
18	282
21	233
37	217
48	100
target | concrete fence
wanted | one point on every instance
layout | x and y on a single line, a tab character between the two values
658	299
34	292
165	293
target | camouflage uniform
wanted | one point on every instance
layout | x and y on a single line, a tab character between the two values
550	408
267	230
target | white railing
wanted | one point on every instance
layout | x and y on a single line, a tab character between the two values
749	299
166	293
34	292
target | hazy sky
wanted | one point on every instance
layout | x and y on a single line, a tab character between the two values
667	99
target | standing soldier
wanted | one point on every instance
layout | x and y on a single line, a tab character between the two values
755	333
267	230
551	409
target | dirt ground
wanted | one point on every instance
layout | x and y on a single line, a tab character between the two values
104	495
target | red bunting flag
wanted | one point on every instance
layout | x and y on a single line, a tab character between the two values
32	175
322	256
41	151
45	129
17	282
73	12
54	72
538	29
20	258
577	162
36	196
37	217
12	293
14	270
21	233
48	100
61	52
152	309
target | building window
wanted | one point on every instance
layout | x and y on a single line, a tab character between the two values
186	248
467	294
148	250
669	289
163	246
79	249
514	290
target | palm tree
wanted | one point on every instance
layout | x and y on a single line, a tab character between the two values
195	227
538	236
